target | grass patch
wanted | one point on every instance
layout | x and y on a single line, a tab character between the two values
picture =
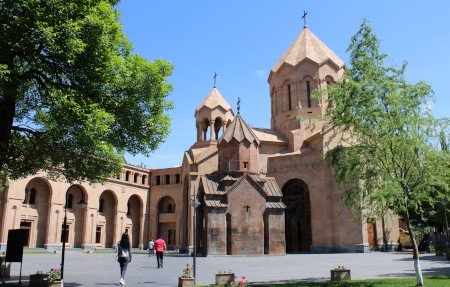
431	281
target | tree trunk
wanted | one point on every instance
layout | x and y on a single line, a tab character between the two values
417	269
7	111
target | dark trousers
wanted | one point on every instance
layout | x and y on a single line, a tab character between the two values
159	258
123	261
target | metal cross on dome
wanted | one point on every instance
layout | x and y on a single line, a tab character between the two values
304	17
239	105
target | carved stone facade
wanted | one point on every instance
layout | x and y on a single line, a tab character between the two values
262	190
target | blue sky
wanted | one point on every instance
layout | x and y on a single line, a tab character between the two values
242	40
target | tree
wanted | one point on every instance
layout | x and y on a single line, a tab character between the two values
382	139
73	97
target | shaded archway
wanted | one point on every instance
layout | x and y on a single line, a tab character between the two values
75	230
105	227
167	220
297	216
134	212
35	216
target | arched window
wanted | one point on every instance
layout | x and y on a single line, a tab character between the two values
32	196
100	205
289	97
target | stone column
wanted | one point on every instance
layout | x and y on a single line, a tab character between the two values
211	132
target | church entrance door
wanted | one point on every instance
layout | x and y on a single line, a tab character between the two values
298	216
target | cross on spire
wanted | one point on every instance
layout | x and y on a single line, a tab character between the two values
238	105
215	76
304	17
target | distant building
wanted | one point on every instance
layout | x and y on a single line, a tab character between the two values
261	191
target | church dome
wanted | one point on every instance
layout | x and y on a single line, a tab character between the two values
308	46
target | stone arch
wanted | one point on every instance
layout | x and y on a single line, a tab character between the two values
134	214
105	230
329	80
218	124
35	218
167	220
297	216
75	232
308	85
205	127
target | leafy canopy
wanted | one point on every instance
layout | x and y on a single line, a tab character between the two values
383	141
73	97
386	135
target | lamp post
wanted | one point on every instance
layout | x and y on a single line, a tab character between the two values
81	204
195	203
444	203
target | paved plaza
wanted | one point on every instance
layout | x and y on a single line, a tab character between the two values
100	268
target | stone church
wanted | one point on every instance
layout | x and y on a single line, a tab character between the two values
261	190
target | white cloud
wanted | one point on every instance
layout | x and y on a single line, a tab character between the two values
260	73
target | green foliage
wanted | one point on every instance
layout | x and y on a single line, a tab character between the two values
386	136
73	97
383	144
435	281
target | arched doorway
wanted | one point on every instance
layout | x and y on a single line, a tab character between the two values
297	216
167	221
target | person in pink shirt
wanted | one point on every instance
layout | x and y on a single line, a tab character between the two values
160	246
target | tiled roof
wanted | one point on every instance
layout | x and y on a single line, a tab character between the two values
214	185
215	203
269	186
308	46
275	205
211	184
239	130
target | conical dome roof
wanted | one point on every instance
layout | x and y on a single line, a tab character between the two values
308	46
213	100
239	130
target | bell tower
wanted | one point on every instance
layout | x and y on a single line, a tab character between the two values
212	116
307	64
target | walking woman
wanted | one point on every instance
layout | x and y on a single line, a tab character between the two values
124	256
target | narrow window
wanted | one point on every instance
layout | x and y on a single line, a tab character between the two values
158	180
127	176
98	234
308	91
136	177
167	179
289	97
100	205
32	196
144	179
177	178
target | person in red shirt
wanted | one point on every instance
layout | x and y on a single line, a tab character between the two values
160	246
